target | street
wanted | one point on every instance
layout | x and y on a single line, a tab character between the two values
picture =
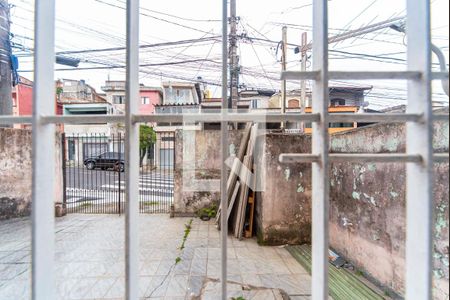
90	188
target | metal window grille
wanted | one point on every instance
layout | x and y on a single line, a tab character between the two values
419	154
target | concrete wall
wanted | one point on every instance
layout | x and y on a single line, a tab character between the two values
283	209
205	145
368	206
15	173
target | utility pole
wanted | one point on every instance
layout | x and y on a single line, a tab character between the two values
284	68
234	58
5	60
304	56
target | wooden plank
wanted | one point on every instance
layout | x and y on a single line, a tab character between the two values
242	151
242	201
233	199
246	178
233	178
251	203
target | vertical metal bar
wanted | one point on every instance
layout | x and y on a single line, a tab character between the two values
43	155
419	141
303	83
119	175
79	141
70	185
64	170
224	151
132	152
284	68
320	176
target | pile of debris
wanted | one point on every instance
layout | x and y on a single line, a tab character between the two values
240	187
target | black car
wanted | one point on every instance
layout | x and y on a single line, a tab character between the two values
107	160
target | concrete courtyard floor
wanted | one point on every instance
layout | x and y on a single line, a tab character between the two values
90	261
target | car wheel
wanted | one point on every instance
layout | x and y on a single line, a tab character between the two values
90	165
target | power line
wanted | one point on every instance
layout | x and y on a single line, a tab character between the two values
182	42
124	66
174	16
154	17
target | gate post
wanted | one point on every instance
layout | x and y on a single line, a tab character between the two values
64	170
120	173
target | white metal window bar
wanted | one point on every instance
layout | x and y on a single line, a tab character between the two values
419	154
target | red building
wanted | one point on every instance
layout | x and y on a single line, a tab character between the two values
22	95
150	98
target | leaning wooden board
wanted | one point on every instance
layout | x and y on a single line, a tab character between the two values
242	200
246	179
233	178
343	285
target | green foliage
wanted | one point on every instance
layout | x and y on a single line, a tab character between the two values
177	260
238	298
147	138
187	231
210	212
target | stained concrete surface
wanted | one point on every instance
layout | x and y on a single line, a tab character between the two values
90	261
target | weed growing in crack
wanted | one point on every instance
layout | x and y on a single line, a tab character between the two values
178	260
187	231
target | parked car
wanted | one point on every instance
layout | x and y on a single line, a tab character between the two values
107	160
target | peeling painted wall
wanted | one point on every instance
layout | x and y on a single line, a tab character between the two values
15	173
368	206
206	165
283	210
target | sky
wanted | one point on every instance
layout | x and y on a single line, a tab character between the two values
84	25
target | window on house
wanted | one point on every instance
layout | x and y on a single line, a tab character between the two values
168	139
338	102
145	100
119	99
179	96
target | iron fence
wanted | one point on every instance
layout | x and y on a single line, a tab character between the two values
94	166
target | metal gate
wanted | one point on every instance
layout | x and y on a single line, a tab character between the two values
94	178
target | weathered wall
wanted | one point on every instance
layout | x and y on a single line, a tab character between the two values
368	206
283	208
15	173
203	147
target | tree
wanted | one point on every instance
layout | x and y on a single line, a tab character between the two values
147	138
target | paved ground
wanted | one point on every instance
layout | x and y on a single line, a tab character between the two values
90	261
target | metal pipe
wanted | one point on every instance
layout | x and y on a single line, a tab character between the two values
231	117
132	154
419	140
43	155
224	152
352	157
320	145
354	75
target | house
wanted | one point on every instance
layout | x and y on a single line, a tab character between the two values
179	97
115	91
76	91
343	99
22	97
